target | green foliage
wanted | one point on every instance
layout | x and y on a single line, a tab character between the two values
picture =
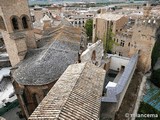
109	42
8	107
155	53
155	77
147	109
89	28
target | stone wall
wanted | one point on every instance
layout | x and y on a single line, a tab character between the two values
13	7
30	96
141	37
143	40
119	24
93	53
17	41
102	26
11	49
119	49
117	62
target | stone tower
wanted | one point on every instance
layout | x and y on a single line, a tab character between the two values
16	28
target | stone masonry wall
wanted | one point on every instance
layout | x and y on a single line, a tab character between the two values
87	55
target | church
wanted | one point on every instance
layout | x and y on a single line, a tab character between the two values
37	63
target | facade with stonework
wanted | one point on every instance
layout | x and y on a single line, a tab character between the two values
135	34
37	64
104	23
83	91
16	29
138	35
43	66
80	83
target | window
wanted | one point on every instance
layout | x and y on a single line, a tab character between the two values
122	43
2	25
129	44
15	24
139	51
120	54
24	22
93	57
122	67
111	23
33	18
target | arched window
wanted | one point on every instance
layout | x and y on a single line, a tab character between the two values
93	56
25	22
2	25
14	21
105	66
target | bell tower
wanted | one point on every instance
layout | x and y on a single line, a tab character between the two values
16	29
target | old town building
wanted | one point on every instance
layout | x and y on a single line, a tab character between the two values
76	95
17	29
137	33
37	64
103	23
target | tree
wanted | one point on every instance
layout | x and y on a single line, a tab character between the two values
147	109
89	28
109	42
155	77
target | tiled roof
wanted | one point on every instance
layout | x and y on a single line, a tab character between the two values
75	96
47	63
63	33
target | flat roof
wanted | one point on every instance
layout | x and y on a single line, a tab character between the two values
110	16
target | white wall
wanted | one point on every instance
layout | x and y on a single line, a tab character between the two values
117	62
87	54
